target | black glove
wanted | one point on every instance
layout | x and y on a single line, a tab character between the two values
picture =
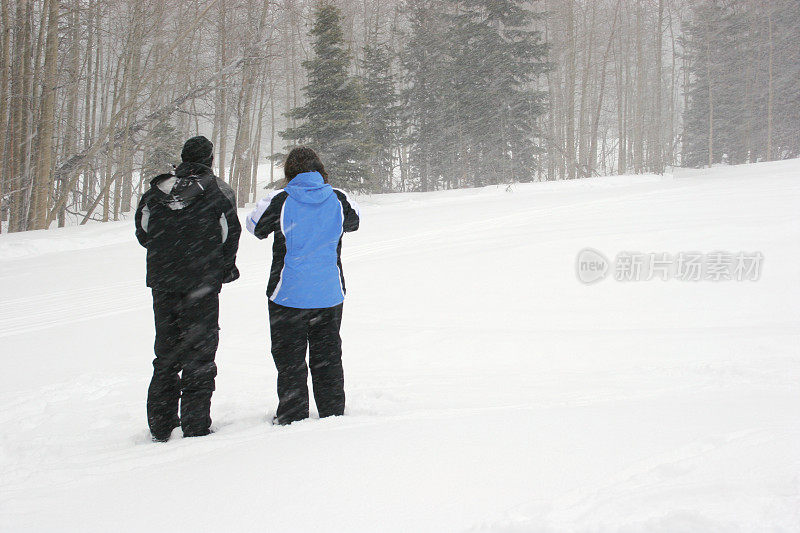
231	275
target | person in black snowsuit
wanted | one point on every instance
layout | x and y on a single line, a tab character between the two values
306	284
187	220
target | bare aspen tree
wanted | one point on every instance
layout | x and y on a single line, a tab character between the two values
256	146
221	107
132	84
243	152
91	127
272	121
45	130
569	90
710	105
5	65
601	93
641	93
672	138
621	86
586	90
34	92
656	148
770	92
551	115
110	176
17	149
87	102
71	127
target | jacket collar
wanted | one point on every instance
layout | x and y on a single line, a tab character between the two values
191	169
308	179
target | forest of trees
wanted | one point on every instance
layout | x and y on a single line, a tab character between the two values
96	96
743	82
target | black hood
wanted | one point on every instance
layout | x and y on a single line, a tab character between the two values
189	181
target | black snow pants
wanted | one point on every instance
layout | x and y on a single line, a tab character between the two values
292	331
187	334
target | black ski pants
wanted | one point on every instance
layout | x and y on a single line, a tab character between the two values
187	334
292	332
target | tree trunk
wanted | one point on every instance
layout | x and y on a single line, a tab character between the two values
18	148
256	149
132	84
583	135
656	150
710	105
45	128
569	88
769	82
641	96
5	65
87	104
671	138
596	122
70	135
220	109
621	90
272	128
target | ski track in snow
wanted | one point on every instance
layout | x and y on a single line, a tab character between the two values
28	314
33	313
488	390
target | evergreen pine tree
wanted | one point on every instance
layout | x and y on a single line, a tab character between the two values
716	119
742	63
426	99
496	61
381	113
331	119
779	21
472	67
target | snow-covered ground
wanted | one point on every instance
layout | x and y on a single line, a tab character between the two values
488	389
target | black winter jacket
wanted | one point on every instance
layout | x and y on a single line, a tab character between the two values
189	225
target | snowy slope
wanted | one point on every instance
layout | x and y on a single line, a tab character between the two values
488	389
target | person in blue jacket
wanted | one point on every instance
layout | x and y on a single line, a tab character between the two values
306	286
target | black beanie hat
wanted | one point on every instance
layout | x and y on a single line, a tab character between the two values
198	150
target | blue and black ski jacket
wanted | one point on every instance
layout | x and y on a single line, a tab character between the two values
308	218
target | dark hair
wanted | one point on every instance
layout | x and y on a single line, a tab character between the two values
303	159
